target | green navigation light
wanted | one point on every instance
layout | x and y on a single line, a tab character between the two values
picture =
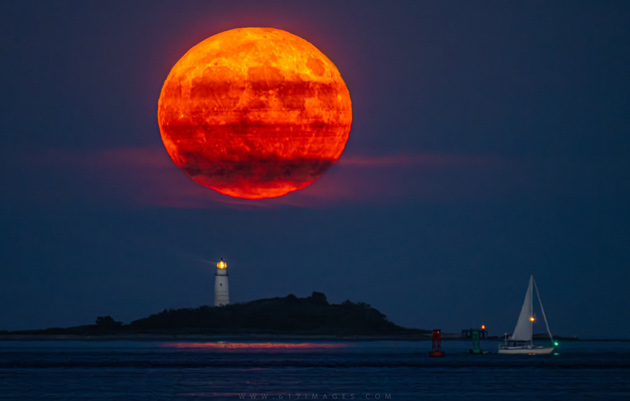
555	343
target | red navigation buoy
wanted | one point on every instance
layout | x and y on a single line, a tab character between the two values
436	351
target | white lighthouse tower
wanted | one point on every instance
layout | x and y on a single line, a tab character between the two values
221	288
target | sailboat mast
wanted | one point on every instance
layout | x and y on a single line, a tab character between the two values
531	308
542	310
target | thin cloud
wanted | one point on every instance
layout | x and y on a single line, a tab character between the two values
146	176
407	160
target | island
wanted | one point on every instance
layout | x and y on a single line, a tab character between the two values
271	318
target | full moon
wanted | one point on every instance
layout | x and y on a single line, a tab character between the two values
254	113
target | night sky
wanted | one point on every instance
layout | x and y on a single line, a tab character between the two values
490	141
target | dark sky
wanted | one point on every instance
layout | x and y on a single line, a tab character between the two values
490	141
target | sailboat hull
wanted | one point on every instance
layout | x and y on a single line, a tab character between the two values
525	350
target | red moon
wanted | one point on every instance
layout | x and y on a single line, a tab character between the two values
254	113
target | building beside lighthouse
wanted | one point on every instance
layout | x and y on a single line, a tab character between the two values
221	288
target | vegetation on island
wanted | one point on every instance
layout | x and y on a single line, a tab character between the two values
288	315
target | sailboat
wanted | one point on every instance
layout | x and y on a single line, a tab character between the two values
520	342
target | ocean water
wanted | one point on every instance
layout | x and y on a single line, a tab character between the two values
387	370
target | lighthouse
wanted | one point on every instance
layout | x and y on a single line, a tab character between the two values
221	288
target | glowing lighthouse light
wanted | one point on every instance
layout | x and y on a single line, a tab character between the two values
221	288
531	319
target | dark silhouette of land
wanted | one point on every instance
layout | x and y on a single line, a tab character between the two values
310	316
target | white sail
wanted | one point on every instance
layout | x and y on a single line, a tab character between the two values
524	326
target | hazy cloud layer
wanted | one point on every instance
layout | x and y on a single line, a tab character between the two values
137	177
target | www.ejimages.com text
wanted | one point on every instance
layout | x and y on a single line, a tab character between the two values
315	396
